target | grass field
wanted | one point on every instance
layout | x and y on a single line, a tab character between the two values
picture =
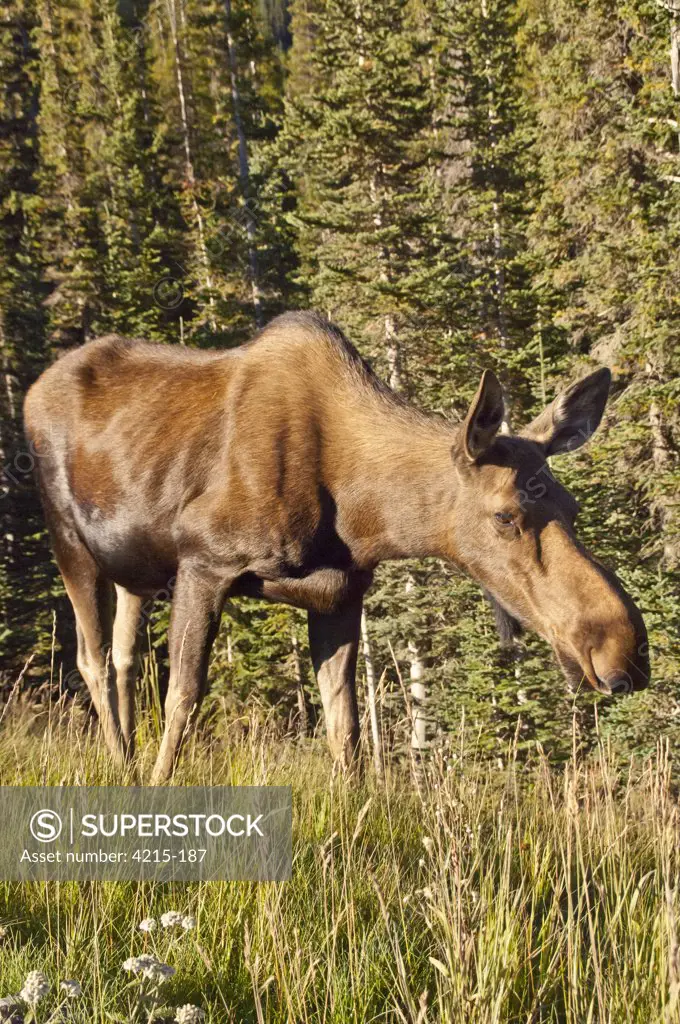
486	894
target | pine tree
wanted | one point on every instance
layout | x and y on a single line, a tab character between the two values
490	188
26	573
606	232
357	154
217	70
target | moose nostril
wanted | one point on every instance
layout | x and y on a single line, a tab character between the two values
619	685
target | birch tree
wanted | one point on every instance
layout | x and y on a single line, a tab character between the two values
244	166
176	21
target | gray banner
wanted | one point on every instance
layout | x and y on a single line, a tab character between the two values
118	833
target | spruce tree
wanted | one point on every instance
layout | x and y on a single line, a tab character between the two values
606	233
26	571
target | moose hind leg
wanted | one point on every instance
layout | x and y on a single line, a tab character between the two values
194	621
125	656
334	644
90	594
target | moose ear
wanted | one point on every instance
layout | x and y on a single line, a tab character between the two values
484	417
573	416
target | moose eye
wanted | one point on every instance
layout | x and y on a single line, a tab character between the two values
504	518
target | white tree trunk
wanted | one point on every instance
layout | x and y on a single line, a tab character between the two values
371	697
664	506
417	688
497	232
673	8
393	353
244	168
303	719
188	157
675	55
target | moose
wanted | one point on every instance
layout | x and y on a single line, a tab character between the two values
286	469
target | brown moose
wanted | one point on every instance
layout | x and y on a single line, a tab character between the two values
286	469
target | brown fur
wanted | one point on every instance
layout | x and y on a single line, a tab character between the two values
286	469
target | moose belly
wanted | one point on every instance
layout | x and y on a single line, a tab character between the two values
135	556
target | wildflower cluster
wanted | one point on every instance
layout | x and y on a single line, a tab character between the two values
35	988
173	919
149	967
149	972
170	920
189	1015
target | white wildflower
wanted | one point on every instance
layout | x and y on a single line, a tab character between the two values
71	988
158	972
147	925
172	919
428	844
189	1015
35	988
139	964
148	966
188	922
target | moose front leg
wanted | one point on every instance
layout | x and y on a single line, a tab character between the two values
334	644
323	590
196	610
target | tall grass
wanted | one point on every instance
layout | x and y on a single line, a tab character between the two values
479	895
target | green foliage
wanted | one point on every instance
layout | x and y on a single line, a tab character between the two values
26	571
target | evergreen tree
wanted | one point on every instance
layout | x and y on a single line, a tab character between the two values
356	150
606	233
607	227
218	70
26	573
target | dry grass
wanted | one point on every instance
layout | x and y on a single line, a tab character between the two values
483	896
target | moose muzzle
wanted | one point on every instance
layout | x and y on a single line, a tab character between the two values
607	636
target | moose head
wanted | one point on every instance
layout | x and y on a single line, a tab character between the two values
514	530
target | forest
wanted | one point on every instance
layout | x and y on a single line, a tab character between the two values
459	186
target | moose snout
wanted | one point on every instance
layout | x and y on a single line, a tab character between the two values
619	659
604	631
621	671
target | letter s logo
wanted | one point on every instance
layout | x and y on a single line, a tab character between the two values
45	826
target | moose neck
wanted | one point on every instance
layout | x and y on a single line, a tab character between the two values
397	504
